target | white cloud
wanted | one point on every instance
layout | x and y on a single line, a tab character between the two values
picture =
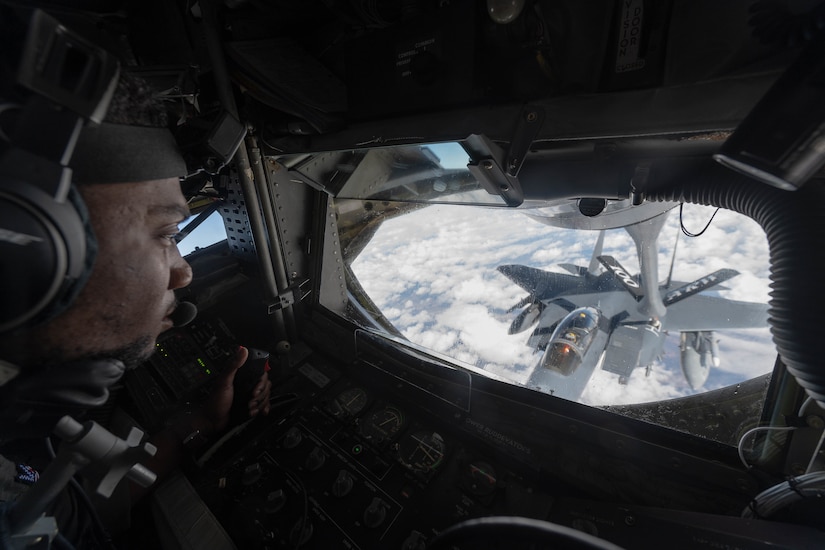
481	333
604	387
432	272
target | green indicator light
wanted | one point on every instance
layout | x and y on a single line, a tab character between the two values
200	362
356	449
208	371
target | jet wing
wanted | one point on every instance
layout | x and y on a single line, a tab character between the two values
539	283
700	312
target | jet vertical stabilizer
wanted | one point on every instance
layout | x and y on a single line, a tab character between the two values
593	268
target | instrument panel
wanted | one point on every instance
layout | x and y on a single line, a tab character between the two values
351	465
392	448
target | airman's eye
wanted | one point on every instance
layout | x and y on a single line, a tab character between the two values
174	238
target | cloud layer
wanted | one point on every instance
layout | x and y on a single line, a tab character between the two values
433	274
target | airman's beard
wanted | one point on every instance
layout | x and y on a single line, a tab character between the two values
131	355
18	349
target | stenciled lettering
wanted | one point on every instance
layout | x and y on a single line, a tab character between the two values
630	30
424	43
498	436
625	277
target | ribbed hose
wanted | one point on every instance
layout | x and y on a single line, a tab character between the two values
794	224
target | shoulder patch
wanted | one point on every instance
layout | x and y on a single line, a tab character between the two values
26	475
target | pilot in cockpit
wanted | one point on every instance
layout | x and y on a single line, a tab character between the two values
570	340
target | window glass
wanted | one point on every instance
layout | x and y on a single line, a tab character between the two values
209	232
488	287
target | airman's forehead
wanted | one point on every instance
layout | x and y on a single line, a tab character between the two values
135	200
168	210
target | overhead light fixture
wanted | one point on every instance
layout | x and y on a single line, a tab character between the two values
504	11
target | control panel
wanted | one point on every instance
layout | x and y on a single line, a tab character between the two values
349	463
390	449
184	362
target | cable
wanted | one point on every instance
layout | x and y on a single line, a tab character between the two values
818	447
682	223
265	142
810	467
274	402
511	532
204	458
741	445
775	498
804	405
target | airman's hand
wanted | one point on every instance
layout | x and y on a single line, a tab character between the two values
217	406
259	401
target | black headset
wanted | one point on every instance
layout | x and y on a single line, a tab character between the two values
47	247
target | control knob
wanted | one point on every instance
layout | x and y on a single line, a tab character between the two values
275	501
375	513
292	438
414	541
343	484
315	460
251	474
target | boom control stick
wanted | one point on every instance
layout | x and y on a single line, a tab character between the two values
246	378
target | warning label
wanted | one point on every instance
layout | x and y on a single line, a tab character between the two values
409	50
630	32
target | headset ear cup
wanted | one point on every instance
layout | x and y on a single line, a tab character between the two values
74	282
47	249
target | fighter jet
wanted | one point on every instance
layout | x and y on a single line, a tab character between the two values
601	316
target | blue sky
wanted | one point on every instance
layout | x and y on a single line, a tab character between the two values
209	232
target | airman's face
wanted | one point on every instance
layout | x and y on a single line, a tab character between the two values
127	301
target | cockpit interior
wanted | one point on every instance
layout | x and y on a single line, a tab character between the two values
526	273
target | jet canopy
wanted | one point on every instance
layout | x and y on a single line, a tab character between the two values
570	341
